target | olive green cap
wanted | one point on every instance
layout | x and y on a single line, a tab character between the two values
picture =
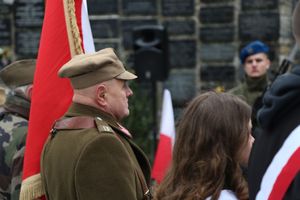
18	73
86	70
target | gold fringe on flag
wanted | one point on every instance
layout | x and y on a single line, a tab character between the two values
32	188
72	28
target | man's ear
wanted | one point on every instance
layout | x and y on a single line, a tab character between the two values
100	94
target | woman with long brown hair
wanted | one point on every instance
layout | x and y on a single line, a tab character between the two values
213	141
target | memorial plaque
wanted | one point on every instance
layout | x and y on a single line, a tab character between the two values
217	34
27	43
180	27
127	27
102	45
29	13
4	8
182	54
96	7
222	14
178	7
145	7
217	52
107	28
259	25
5	32
259	4
218	73
182	85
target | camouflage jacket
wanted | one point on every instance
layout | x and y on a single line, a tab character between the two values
250	89
13	130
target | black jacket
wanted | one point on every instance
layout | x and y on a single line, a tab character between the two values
278	117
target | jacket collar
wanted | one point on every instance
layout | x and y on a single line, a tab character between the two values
77	109
257	84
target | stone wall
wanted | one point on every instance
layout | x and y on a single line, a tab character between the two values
205	36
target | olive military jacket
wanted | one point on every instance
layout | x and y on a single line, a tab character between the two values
99	162
250	89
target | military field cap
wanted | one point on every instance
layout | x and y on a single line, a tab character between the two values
86	70
253	48
18	73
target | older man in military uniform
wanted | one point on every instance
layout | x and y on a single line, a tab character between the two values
89	155
14	116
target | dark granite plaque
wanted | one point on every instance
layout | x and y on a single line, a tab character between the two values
218	73
127	27
145	7
27	43
182	85
217	34
222	14
259	25
108	28
29	13
259	4
102	45
96	7
217	52
178	7
182	54
5	32
180	27
4	8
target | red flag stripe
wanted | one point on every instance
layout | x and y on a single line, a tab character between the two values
286	176
163	155
163	158
283	168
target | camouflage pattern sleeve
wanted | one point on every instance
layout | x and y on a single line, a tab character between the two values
13	130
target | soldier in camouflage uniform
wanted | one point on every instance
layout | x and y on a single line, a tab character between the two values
254	58
14	115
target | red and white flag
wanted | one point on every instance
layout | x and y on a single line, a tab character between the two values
66	32
163	155
282	170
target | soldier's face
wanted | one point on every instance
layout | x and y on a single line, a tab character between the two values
256	65
117	98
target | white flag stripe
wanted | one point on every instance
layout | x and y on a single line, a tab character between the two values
291	144
88	41
167	125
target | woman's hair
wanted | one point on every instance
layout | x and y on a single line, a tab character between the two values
210	135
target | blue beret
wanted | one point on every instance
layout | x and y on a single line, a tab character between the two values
253	48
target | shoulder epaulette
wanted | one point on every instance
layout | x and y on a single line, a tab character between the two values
102	126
